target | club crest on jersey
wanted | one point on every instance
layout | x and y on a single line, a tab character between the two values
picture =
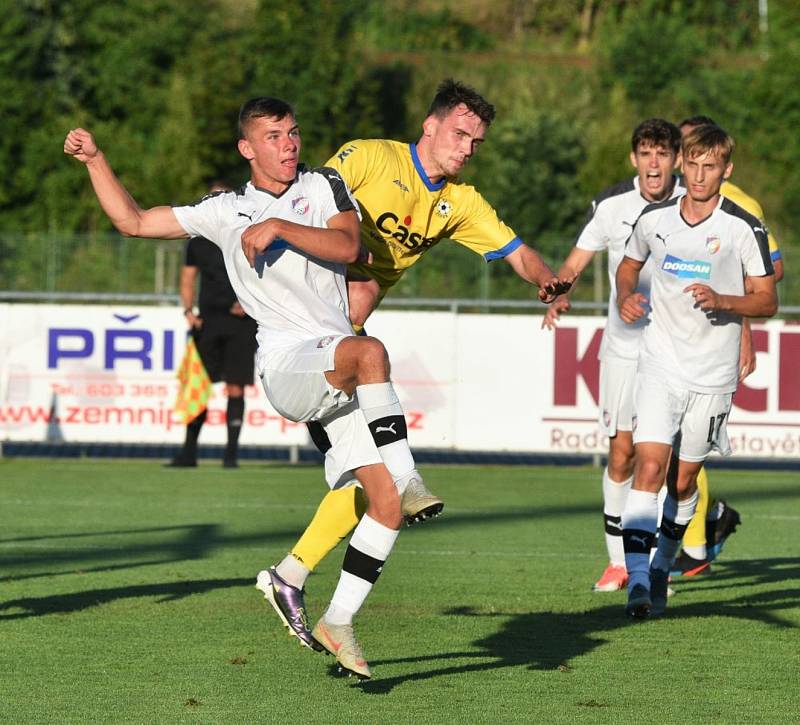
693	269
300	205
443	208
712	244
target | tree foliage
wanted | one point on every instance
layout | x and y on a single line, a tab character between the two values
160	83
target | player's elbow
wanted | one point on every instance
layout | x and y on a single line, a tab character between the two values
350	250
769	305
127	230
128	226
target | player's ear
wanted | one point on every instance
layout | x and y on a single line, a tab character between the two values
429	125
633	159
728	171
245	149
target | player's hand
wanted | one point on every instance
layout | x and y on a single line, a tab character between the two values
80	144
256	238
194	322
704	297
553	315
632	307
237	310
554	287
747	357
364	255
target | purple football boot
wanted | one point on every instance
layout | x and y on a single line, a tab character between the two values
288	602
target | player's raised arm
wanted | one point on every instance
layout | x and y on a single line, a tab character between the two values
629	301
340	242
123	211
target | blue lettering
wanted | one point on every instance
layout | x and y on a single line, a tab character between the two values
169	349
143	354
54	350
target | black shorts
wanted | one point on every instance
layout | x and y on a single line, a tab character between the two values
227	346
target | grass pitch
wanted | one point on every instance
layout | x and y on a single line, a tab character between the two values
126	595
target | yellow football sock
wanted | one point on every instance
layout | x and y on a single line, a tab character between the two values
696	531
336	517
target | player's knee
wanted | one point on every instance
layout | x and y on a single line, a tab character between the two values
651	472
363	298
620	463
385	508
686	484
373	357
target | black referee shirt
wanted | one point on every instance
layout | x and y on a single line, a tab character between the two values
216	294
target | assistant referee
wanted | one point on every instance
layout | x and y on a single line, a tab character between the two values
225	337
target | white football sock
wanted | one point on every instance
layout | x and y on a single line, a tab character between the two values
369	547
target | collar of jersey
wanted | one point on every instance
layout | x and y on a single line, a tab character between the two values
422	175
300	168
704	219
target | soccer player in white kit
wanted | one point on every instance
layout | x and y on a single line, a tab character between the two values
711	268
286	237
613	213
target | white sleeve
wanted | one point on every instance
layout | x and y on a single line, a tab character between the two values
594	235
637	246
336	194
201	219
756	258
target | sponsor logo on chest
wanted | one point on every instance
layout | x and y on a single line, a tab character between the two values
686	269
389	223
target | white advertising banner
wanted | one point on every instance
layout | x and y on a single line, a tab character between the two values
467	382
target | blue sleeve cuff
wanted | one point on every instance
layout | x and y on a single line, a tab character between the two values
503	252
776	255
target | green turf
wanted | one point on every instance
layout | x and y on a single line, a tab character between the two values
126	595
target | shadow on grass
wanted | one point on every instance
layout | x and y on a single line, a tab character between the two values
551	640
174	544
181	543
78	601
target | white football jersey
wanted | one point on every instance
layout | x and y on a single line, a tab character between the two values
292	295
610	221
685	346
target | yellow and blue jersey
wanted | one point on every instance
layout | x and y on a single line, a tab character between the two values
404	213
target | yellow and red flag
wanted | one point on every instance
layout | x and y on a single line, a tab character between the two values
195	387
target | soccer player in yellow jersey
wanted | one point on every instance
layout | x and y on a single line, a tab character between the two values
714	521
409	201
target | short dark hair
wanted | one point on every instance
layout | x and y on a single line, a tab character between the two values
697	121
452	93
219	185
263	107
706	139
656	132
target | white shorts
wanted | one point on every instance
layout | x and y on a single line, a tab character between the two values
295	383
352	445
663	413
616	395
